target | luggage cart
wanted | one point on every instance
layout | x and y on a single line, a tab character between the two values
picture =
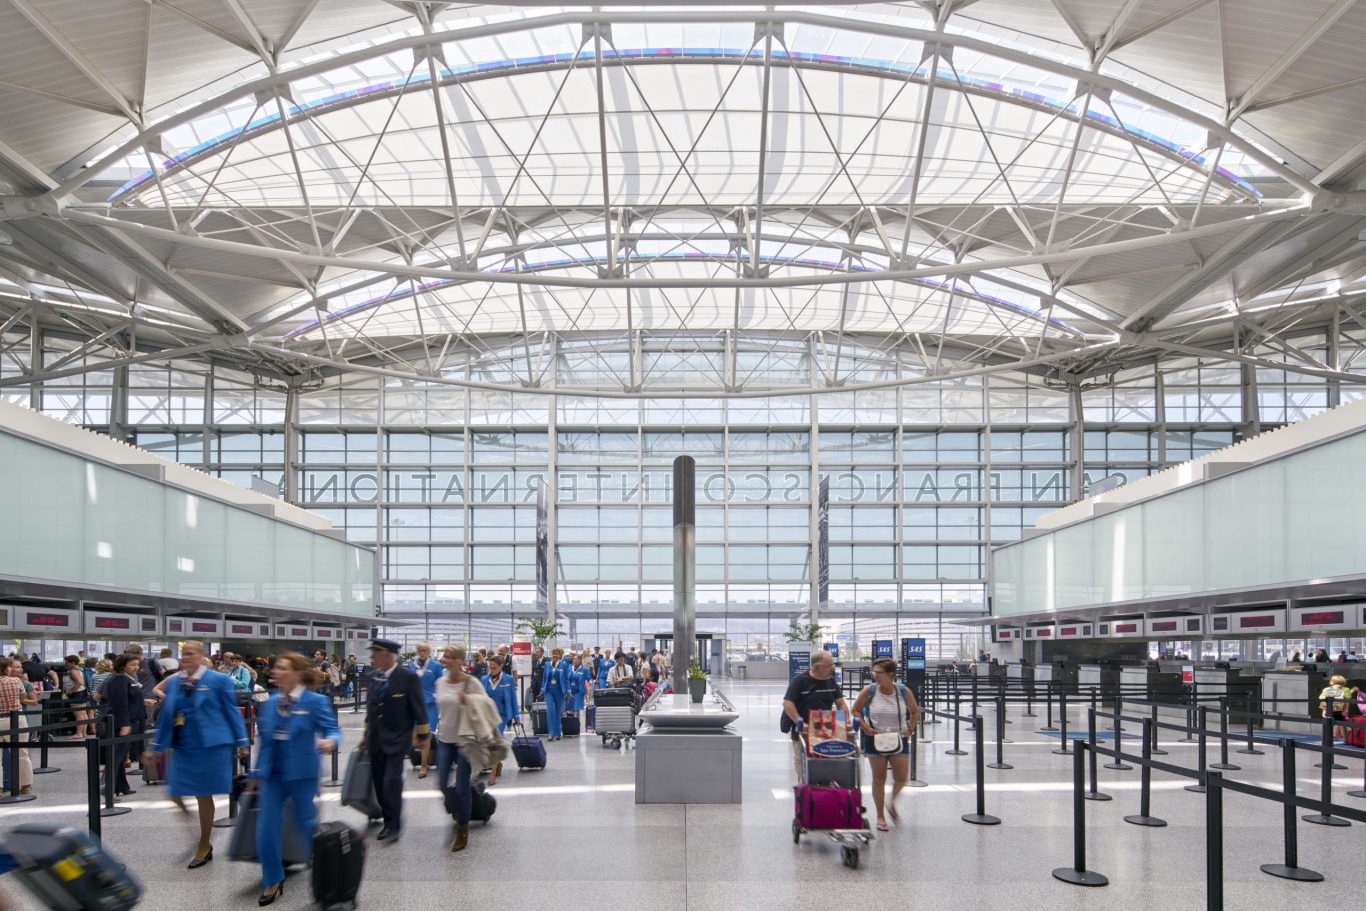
850	777
615	722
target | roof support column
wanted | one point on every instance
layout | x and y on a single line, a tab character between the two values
118	405
35	360
1335	357
1076	439
813	492
288	489
1251	423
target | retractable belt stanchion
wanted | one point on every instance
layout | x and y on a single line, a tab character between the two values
1077	874
1000	762
334	781
1328	738
1214	842
1062	722
1199	786
1326	817
107	724
12	764
1144	816
1117	731
1291	869
1029	700
1192	710
974	695
957	750
914	781
1095	792
1223	764
92	786
1048	710
981	817
1251	748
44	738
1154	749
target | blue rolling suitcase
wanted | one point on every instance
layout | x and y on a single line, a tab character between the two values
68	870
528	751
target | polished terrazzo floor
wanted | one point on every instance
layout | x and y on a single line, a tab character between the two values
573	831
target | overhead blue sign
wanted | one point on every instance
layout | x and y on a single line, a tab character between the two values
882	648
913	654
833	648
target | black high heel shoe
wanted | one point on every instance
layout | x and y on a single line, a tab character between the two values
268	899
199	862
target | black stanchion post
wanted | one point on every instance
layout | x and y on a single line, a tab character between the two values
1154	748
1214	842
1117	731
44	738
1077	874
1192	710
1145	794
110	735
1199	786
1291	869
1048	710
334	782
12	764
1094	793
915	781
1326	817
1000	762
974	695
937	683
1327	739
1361	795
1223	764
1062	723
92	786
981	817
957	750
1251	748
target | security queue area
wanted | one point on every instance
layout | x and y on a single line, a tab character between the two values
899	452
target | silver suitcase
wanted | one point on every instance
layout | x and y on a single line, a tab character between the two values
614	719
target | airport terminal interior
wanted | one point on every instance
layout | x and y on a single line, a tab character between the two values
1021	343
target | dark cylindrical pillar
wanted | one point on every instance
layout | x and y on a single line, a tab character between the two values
685	568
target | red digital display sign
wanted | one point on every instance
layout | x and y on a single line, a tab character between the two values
113	623
1126	627
1323	618
241	629
1044	633
1164	626
323	633
1067	631
1003	634
44	618
1257	621
203	627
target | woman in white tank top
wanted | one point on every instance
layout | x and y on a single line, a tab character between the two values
889	709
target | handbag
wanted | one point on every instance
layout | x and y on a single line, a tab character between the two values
888	743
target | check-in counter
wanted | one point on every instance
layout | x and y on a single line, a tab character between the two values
1293	693
1240	685
1062	676
1096	675
1021	675
1150	683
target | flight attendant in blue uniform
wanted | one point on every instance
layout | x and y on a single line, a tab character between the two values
578	685
428	671
604	666
295	725
201	725
502	689
555	689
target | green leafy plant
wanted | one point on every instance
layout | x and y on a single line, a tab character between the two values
695	671
539	629
809	633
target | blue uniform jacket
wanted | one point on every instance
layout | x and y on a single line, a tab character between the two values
296	756
603	668
428	676
504	695
555	675
578	680
212	717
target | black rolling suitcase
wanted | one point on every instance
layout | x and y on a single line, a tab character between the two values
67	870
539	727
528	751
616	696
569	724
338	864
482	804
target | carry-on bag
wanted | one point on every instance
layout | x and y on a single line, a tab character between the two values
242	843
569	724
358	786
66	869
820	807
482	803
528	751
539	727
591	721
619	695
338	864
156	772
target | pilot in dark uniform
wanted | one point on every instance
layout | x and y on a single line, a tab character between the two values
395	711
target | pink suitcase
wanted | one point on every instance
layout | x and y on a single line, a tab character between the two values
828	808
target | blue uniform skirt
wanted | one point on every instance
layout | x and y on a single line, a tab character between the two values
200	772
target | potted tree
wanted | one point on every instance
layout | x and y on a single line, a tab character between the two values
697	681
807	633
539	629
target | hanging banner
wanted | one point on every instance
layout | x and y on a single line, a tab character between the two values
823	546
882	648
542	550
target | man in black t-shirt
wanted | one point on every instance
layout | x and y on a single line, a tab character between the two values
815	689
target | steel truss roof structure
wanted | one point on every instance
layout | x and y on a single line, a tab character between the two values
318	187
